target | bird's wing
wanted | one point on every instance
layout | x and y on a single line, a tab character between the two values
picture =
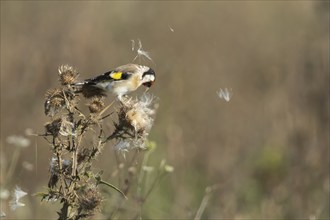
113	75
97	79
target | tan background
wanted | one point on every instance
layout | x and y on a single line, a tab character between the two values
268	148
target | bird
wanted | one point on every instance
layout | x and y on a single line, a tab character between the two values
121	80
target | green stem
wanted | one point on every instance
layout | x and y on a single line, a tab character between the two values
112	186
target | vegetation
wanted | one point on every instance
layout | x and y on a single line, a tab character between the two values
262	154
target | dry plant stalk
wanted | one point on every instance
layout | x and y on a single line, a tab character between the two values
72	180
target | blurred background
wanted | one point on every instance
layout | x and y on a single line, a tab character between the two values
266	150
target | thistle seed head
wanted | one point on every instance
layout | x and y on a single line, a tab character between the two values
68	75
96	105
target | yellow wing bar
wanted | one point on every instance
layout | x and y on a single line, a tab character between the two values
116	75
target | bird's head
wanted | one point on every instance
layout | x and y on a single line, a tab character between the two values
148	77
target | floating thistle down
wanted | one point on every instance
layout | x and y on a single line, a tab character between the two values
140	52
225	94
171	29
17	195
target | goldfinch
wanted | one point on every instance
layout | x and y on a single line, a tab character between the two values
122	80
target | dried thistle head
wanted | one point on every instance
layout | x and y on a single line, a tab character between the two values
68	75
60	126
56	100
50	93
96	105
53	127
135	119
139	114
138	120
123	123
67	127
89	199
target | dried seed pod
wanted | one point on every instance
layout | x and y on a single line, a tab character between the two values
89	199
96	105
68	74
54	102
